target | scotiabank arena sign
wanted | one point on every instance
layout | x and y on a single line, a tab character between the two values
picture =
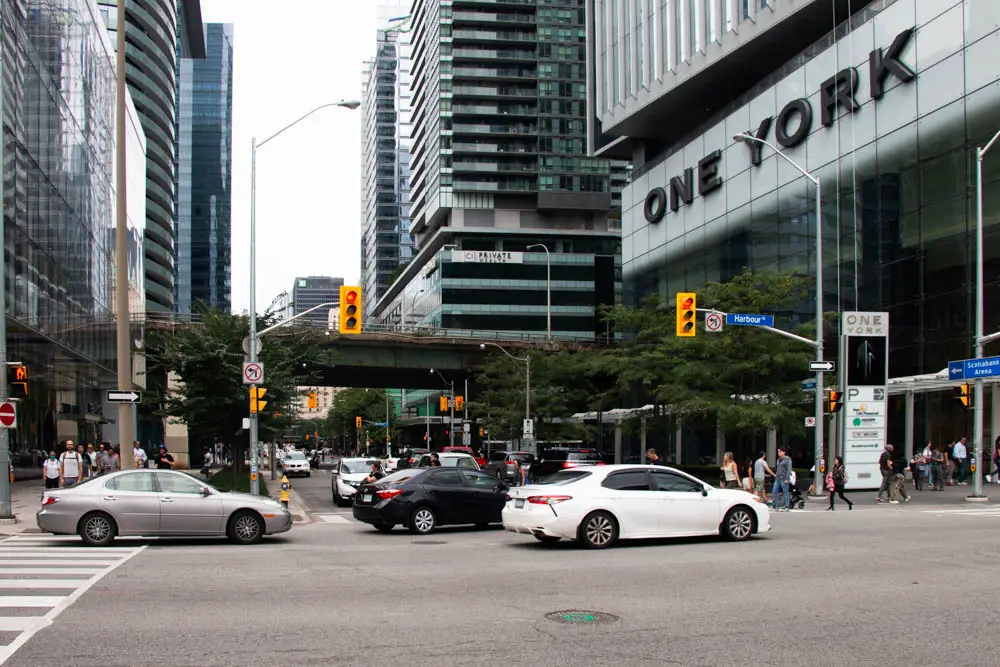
791	127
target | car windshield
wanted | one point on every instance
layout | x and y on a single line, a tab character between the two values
564	477
355	467
295	456
458	462
584	456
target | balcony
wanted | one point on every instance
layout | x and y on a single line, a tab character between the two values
518	185
494	91
494	54
521	3
494	129
494	18
493	148
495	73
494	167
495	36
495	110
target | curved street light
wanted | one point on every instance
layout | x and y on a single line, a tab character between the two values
526	360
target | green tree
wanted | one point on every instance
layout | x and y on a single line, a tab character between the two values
348	405
208	357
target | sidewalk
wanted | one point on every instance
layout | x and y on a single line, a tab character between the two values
299	513
949	496
26	499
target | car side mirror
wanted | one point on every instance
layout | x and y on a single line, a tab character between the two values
205	491
704	491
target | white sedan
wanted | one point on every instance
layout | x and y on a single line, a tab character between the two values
597	505
295	463
347	476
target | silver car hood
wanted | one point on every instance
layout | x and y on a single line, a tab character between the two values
238	497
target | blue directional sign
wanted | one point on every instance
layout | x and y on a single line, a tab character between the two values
808	384
746	320
968	369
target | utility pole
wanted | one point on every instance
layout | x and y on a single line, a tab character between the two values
6	508
427	420
122	323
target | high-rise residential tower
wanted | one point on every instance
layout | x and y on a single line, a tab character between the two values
202	269
385	146
151	77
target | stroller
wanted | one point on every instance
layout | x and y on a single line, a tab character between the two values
796	500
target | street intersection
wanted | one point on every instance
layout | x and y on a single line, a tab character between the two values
828	587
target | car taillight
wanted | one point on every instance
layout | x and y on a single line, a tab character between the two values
547	500
569	464
49	500
507	498
386	494
601	463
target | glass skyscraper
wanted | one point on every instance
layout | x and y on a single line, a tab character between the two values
202	268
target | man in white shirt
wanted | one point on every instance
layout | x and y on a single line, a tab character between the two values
50	470
960	453
139	454
70	465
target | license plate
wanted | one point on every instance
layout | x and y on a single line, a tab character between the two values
518	504
367	498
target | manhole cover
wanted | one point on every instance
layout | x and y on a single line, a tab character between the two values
428	542
578	616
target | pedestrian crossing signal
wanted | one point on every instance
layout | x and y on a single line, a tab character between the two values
459	403
686	314
443	403
312	402
17	381
962	395
834	401
257	393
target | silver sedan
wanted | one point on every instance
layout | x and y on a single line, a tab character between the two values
163	503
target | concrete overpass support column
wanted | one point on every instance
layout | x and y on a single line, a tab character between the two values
772	445
678	443
618	442
908	445
720	443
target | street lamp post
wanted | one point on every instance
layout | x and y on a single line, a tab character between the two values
413	305
548	290
254	146
526	360
818	429
977	406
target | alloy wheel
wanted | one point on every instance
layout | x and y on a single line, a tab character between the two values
740	524
246	528
98	529
599	530
423	520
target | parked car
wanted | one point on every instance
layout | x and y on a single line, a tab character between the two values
465	449
164	503
346	477
424	498
295	463
598	505
554	459
501	464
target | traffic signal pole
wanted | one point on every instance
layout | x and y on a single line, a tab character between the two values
6	508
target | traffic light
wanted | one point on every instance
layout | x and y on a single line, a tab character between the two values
480	432
17	381
311	403
350	309
459	403
257	393
443	403
686	309
962	395
834	400
357	421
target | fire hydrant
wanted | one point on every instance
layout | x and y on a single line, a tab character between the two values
283	498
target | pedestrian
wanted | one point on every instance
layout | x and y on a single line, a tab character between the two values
92	455
730	473
70	466
653	459
760	469
206	467
435	460
917	469
937	458
960	454
947	476
139	454
375	474
928	456
899	480
782	476
84	463
163	460
885	467
837	482
50	469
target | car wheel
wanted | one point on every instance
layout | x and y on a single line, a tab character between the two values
308	474
598	530
422	521
97	529
245	527
384	527
547	539
738	524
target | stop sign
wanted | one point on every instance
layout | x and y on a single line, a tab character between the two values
8	417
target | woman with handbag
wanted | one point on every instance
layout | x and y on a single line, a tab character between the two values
730	472
836	479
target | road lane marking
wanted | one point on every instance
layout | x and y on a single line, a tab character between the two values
89	571
55	560
335	518
30	600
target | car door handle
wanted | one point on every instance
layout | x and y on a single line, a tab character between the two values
166	500
109	498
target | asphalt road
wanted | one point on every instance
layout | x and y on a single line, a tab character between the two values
907	584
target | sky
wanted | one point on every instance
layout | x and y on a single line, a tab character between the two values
288	58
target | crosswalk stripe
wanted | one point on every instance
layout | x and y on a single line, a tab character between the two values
89	571
42	583
334	518
17	623
49	539
60	553
56	560
30	600
96	552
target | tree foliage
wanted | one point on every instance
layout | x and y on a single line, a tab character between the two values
208	357
369	404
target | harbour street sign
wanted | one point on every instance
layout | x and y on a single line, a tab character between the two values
826	366
123	396
746	320
969	369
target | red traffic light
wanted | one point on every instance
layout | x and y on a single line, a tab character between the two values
351	296
687	303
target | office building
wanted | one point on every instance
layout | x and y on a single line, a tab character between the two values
202	268
884	101
385	160
312	291
151	78
59	207
499	167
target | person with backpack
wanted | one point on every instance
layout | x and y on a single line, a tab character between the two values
836	480
70	466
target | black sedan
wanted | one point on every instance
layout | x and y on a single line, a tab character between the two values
423	498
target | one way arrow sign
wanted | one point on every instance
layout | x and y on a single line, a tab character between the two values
826	366
122	396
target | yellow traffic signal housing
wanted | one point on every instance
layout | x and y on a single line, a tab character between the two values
963	395
17	381
350	309
257	393
686	314
311	402
480	432
443	403
834	400
357	422
460	403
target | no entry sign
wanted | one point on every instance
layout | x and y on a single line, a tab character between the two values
8	416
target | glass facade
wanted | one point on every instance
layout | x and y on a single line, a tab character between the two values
202	268
312	291
58	94
898	186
